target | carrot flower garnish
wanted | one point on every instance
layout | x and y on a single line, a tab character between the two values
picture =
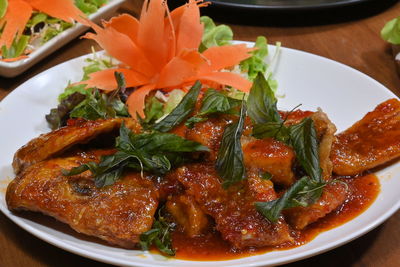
160	51
19	11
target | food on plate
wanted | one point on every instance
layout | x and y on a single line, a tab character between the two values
184	149
364	146
117	214
28	24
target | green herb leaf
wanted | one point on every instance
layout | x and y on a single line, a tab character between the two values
214	102
391	31
303	138
230	165
181	111
214	35
262	103
151	152
274	130
159	235
302	193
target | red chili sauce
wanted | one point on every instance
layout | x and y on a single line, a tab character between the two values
211	246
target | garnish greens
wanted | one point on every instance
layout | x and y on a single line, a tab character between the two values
159	235
302	137
229	165
214	35
214	102
180	112
391	31
88	103
256	63
151	152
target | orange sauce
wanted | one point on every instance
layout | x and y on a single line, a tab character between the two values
212	247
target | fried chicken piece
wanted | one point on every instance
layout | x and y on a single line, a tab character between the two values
370	142
188	214
333	196
55	142
272	156
260	189
208	133
233	210
117	214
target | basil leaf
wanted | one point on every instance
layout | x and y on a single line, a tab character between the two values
229	164
302	193
181	111
213	102
276	130
159	235
151	152
303	138
262	103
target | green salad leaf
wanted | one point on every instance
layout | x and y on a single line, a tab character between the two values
17	48
391	31
3	7
89	6
58	116
229	164
256	63
214	35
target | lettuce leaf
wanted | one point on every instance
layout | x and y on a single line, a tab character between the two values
214	35
391	31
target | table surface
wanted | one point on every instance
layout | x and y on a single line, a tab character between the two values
356	43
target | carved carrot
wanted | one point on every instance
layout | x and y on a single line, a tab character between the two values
160	51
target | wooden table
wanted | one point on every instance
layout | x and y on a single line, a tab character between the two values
355	43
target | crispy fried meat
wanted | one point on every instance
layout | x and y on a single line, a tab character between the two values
370	142
233	210
117	214
53	143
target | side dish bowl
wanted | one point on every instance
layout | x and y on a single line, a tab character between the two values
12	69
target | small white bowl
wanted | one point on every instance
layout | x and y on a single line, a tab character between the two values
12	69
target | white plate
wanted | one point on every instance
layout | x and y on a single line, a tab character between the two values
12	69
344	93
